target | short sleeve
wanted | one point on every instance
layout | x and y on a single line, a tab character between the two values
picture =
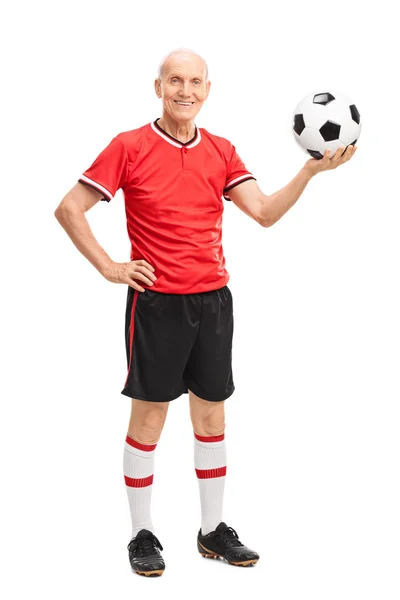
236	172
109	171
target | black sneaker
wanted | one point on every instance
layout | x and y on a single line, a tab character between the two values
223	542
144	554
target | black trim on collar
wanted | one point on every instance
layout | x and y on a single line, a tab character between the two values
172	138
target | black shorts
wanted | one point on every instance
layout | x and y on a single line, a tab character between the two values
176	342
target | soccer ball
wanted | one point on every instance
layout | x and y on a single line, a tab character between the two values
325	120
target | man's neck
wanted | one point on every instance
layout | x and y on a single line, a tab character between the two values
182	132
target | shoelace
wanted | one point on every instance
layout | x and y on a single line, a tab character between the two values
230	537
145	545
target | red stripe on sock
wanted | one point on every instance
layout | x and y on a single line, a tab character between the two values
210	473
215	438
139	483
145	447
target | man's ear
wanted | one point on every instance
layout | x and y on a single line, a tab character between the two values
157	87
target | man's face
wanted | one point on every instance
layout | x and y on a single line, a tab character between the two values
183	81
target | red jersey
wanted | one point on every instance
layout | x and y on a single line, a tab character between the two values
173	202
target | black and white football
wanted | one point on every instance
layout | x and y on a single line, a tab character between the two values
325	120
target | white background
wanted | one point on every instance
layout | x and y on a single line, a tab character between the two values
313	426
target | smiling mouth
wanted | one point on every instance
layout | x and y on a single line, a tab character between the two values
183	103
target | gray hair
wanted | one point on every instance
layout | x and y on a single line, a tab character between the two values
180	51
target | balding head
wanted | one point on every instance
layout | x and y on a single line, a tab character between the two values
183	85
184	55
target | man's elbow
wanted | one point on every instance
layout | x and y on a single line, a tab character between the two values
264	217
266	222
63	211
59	213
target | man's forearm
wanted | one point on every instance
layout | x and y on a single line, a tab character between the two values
276	205
77	227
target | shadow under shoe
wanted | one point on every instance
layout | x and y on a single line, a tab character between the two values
144	554
224	542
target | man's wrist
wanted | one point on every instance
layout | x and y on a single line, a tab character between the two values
307	172
105	267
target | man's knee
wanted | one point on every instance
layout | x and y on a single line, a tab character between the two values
209	427
146	425
208	418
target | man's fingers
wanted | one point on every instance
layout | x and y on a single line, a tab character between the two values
141	277
338	154
342	155
348	153
144	263
136	286
146	272
352	150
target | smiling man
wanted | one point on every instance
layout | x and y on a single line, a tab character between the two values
175	178
183	86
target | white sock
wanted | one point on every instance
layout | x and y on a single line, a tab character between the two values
210	466
138	472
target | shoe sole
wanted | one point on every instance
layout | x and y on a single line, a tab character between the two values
205	553
157	573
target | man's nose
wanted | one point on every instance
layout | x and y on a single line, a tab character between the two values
185	88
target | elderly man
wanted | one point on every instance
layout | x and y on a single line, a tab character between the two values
179	319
